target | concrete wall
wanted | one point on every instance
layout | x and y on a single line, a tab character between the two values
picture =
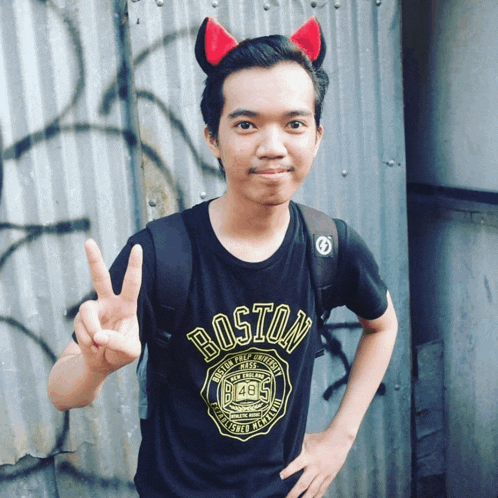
451	93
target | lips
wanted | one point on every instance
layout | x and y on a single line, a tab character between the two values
274	175
271	171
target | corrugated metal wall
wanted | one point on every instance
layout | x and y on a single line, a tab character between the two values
75	77
70	169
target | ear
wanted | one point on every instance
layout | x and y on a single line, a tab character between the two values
212	44
212	143
309	38
319	136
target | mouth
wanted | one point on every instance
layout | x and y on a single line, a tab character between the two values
271	173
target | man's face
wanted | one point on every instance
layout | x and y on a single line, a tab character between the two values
267	136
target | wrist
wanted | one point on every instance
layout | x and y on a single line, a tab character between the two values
95	373
346	431
72	383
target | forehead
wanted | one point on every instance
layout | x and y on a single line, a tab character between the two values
286	86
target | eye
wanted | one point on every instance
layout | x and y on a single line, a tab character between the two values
244	125
296	125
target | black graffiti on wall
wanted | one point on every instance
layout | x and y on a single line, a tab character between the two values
117	93
334	347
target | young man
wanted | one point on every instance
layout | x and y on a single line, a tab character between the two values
231	389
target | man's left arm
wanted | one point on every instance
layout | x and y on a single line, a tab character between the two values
324	453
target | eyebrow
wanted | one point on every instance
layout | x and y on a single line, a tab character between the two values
242	112
252	114
303	112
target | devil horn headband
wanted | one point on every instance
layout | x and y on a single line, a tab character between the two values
214	42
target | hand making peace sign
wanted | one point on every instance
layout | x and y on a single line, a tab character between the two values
107	329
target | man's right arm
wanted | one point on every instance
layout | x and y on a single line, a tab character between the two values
107	334
71	383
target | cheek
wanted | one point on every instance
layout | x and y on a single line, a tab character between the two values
236	149
304	151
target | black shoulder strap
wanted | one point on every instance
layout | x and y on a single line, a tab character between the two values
323	253
173	263
173	272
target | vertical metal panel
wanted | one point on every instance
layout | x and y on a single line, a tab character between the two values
456	144
68	170
455	280
359	175
450	82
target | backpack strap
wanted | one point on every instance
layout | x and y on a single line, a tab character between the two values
173	273
323	252
173	264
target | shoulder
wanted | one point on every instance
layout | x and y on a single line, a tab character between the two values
359	274
352	248
144	239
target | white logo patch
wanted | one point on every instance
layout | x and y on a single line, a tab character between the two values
323	245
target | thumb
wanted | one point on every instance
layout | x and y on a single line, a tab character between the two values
118	342
101	337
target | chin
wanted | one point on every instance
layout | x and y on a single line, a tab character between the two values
276	200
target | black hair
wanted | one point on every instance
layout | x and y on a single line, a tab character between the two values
262	52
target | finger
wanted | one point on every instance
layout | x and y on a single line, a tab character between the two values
82	336
133	277
114	341
85	342
98	271
313	489
300	487
324	487
88	324
295	466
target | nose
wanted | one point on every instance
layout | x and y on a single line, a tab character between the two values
272	144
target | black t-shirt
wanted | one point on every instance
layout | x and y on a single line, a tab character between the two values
231	412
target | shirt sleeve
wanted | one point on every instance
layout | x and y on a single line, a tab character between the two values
360	285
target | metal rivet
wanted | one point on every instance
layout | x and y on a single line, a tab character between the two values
152	203
215	4
203	195
160	3
344	172
397	387
391	162
135	0
267	6
378	2
314	4
337	5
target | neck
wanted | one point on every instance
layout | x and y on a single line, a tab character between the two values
250	232
250	219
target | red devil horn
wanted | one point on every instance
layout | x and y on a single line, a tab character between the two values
309	39
218	41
